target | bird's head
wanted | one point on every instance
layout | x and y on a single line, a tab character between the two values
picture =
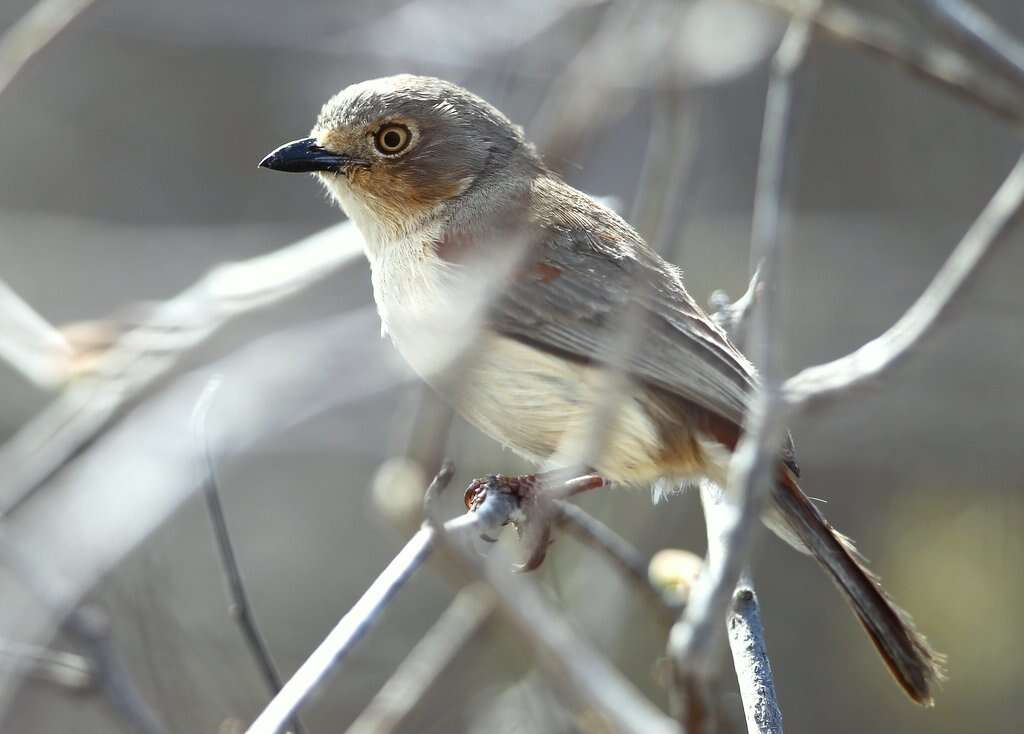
392	150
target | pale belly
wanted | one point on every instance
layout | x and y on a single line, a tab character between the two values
547	409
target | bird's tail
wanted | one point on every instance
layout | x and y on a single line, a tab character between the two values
912	661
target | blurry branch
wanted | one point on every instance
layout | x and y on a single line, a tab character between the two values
91	627
66	670
577	670
817	385
457	626
144	352
32	32
629	561
929	62
29	343
589	678
240	608
693	641
981	36
752	467
371	604
734	317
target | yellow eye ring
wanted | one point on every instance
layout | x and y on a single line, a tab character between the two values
392	139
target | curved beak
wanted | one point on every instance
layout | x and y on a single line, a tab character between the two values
305	156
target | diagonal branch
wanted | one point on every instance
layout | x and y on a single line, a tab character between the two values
932	63
458	625
817	385
148	351
32	32
981	35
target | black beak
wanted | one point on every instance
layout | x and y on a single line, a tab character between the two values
305	156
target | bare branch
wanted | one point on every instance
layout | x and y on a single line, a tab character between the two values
693	641
570	661
149	350
931	63
64	669
92	628
980	35
627	559
367	610
240	608
814	386
459	624
32	32
753	668
29	343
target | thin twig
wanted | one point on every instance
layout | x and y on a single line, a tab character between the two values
240	607
30	34
365	613
981	35
815	386
932	63
694	639
457	626
91	627
67	670
572	664
150	350
626	558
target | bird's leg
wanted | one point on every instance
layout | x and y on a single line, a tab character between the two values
534	494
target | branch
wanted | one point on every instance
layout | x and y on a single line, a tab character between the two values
753	668
240	607
693	640
932	63
29	343
32	32
627	559
746	633
325	659
981	35
817	385
458	625
148	351
570	661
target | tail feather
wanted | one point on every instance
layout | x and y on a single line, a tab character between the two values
912	661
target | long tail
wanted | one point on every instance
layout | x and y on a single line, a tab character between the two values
914	664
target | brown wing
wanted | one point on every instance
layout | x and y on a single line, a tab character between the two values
587	265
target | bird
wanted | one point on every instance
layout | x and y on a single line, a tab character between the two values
468	231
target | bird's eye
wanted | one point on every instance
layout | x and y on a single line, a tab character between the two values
392	139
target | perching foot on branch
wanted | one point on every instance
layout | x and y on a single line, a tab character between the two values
534	494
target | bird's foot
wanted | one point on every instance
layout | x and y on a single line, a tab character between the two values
535	495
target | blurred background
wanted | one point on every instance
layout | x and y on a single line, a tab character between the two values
128	152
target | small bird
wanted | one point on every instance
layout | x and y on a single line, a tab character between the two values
457	209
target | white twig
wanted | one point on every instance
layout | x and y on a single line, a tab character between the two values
746	633
367	610
29	343
32	32
149	351
459	624
979	33
753	668
816	385
929	62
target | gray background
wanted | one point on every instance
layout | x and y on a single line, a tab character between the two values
127	168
